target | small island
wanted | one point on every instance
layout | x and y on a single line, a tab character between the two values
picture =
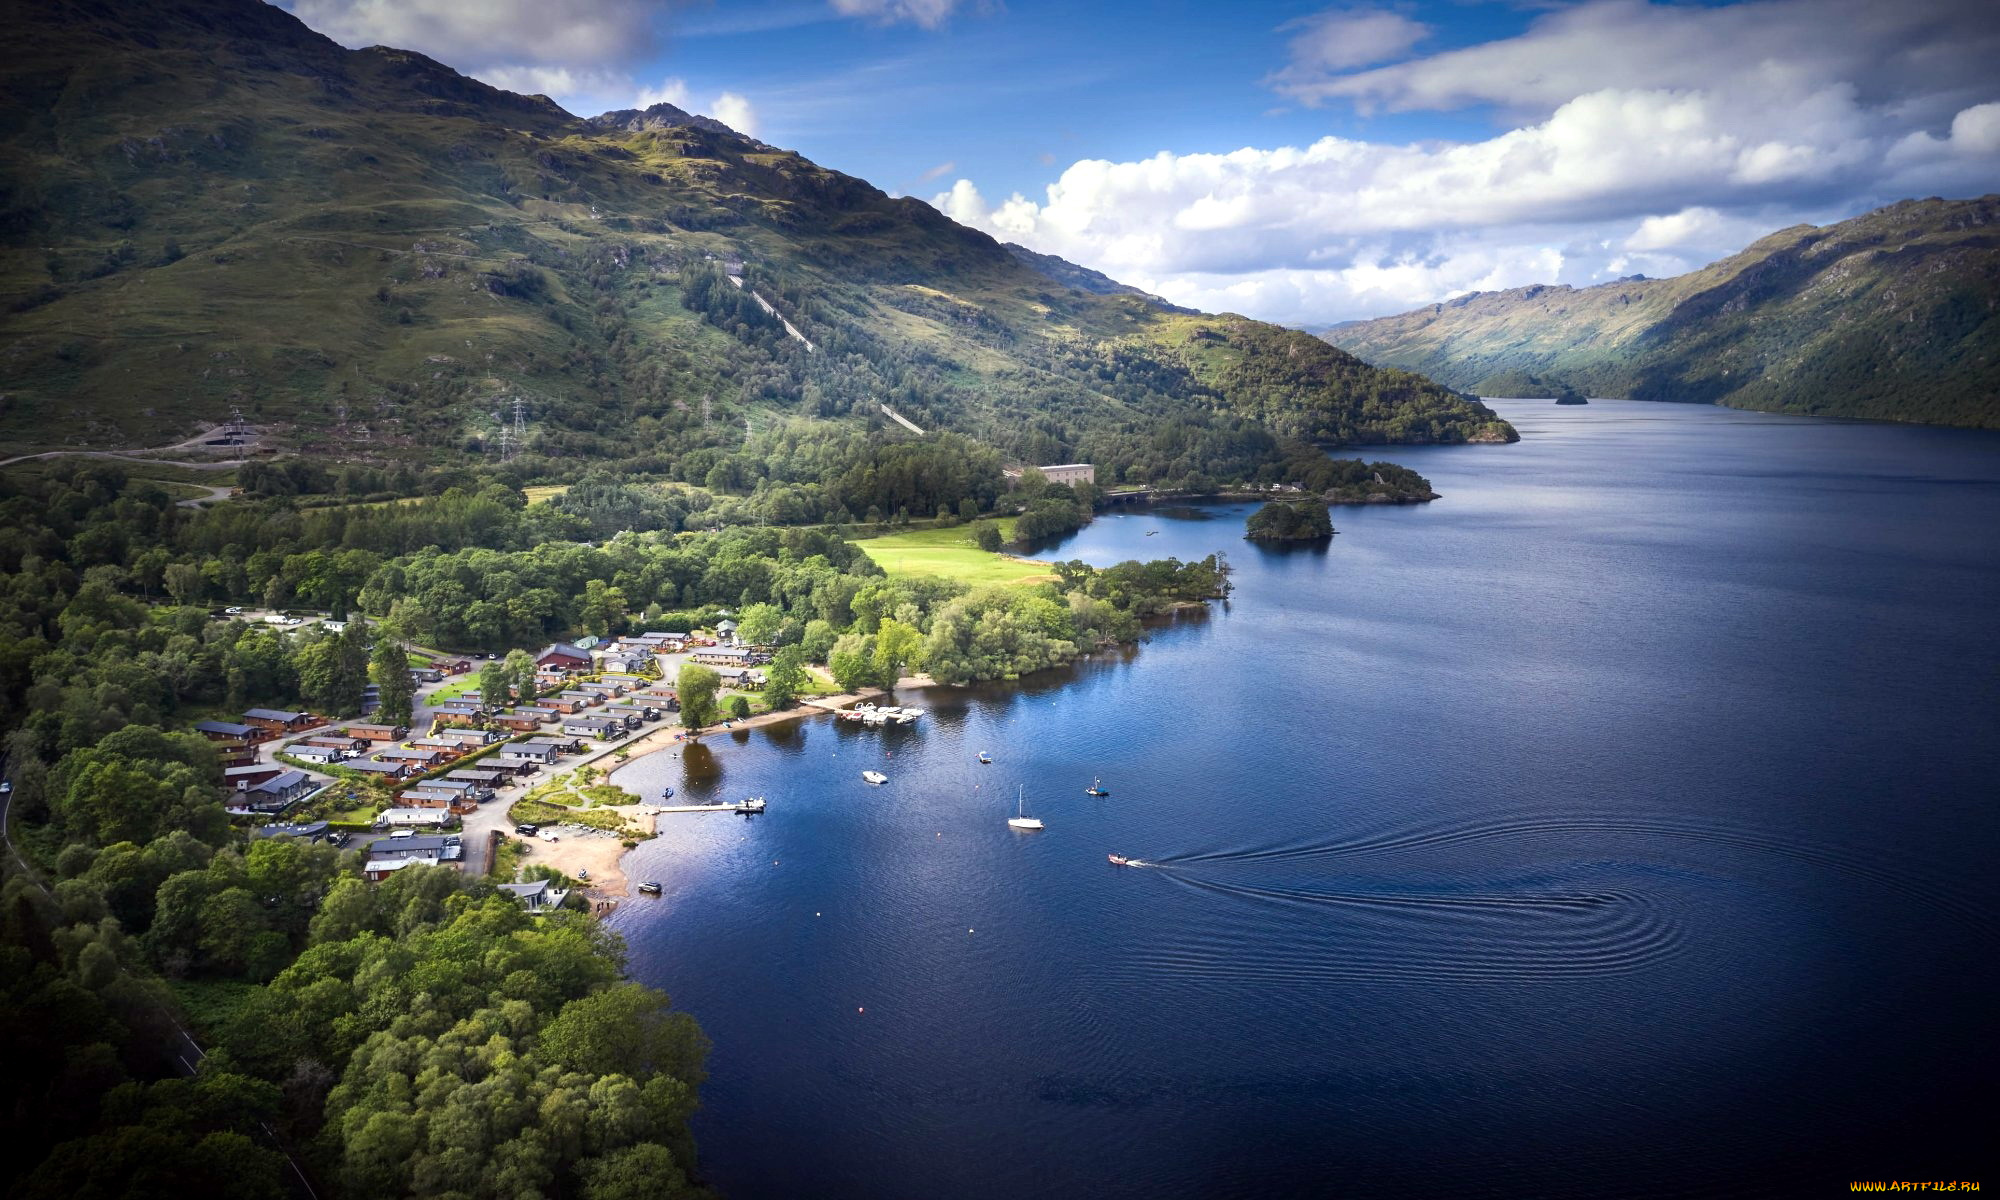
1290	521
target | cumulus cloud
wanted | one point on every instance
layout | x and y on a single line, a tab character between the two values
672	91
931	14
1711	127
736	112
572	32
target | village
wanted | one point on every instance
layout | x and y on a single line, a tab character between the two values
486	790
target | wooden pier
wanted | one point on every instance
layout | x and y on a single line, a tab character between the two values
754	805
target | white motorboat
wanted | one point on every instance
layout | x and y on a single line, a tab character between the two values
874	777
1020	820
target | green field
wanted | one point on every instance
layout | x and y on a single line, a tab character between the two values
950	553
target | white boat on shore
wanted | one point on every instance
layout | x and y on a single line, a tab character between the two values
874	777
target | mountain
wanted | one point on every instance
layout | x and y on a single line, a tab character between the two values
1893	315
1083	279
204	204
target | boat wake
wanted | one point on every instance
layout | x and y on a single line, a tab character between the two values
1574	830
1417	937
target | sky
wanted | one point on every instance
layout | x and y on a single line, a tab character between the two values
1291	161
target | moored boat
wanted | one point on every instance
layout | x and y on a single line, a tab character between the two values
1097	788
1020	819
874	777
985	757
649	889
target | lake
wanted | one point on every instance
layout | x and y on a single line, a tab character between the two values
1621	824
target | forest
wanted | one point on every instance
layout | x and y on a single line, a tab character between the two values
422	1036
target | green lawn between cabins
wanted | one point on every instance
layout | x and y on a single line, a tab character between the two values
951	554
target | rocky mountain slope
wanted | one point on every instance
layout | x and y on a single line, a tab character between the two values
1893	315
204	204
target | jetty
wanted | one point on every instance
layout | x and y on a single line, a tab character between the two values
754	804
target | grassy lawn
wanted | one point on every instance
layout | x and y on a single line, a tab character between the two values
537	812
950	553
546	491
466	684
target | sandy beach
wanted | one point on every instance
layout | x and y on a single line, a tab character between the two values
599	853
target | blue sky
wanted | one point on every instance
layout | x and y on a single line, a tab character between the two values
1299	162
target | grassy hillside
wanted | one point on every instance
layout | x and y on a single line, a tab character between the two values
207	204
1894	315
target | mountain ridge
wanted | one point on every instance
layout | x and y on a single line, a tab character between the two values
208	205
1890	315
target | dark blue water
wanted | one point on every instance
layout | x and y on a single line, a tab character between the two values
1622	824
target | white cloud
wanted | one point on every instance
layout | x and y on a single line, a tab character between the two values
672	91
931	14
1933	48
1661	138
1339	39
940	171
571	32
736	112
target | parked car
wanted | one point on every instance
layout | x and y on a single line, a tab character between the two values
527	830
6	787
232	612
550	835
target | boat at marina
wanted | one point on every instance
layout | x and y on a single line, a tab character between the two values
874	777
875	716
1097	788
1020	819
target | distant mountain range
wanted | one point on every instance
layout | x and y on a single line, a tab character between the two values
1893	315
204	204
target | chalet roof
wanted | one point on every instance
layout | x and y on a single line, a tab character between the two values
304	829
273	714
378	768
252	769
445	844
279	783
227	727
566	650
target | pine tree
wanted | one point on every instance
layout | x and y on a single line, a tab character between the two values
392	675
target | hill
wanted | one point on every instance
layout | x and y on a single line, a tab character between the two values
1893	315
206	204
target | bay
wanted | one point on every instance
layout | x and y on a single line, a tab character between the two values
1620	824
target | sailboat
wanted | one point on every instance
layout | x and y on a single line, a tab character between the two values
1097	788
1020	820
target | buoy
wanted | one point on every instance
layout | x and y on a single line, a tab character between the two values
860	1010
